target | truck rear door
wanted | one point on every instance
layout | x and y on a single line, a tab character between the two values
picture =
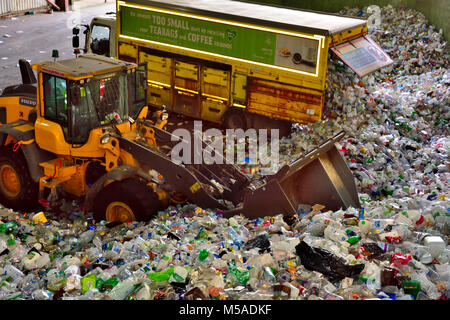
187	89
362	55
160	79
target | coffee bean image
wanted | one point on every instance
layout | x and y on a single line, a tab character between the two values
297	58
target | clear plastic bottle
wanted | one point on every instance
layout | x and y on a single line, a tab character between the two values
373	274
17	253
441	278
365	226
73	283
86	237
97	242
11	271
444	257
336	233
426	285
122	290
91	294
166	258
233	235
28	284
42	294
423	254
145	293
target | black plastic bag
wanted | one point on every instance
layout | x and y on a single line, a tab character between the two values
372	251
262	242
325	262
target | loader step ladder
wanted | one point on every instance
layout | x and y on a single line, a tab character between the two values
56	171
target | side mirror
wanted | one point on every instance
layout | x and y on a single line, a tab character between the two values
75	41
75	38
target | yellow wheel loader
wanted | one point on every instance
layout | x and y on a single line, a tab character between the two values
80	125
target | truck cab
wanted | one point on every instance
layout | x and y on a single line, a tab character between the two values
102	36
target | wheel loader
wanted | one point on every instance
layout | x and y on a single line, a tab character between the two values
82	126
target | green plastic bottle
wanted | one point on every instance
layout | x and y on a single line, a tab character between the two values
11	225
161	276
106	285
353	240
203	255
242	276
111	282
411	287
88	282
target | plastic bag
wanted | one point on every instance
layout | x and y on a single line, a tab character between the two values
317	259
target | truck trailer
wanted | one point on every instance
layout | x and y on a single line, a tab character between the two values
242	64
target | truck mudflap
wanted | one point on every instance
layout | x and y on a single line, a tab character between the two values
319	177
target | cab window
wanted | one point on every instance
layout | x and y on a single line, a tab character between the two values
100	40
84	117
137	82
55	101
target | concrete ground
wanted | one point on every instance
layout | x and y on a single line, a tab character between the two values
33	37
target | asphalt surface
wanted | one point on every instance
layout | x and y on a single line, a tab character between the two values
33	37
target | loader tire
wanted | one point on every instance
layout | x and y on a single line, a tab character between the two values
18	191
127	200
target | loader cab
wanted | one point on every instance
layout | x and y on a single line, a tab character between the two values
82	96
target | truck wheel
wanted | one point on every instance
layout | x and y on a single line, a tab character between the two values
17	190
284	127
126	200
261	122
177	198
235	119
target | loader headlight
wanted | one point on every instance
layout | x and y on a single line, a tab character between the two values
105	139
164	116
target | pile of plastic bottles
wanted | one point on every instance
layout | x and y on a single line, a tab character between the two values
396	121
392	249
395	247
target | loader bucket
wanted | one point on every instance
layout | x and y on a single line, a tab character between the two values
319	177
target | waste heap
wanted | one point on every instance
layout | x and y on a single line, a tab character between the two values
395	247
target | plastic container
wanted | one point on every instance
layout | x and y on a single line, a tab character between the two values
435	245
35	260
